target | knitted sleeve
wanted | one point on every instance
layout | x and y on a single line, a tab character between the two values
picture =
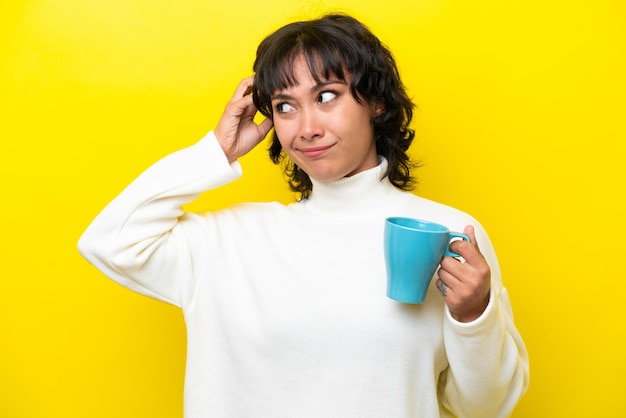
488	362
143	240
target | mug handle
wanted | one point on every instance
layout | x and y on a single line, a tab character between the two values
451	236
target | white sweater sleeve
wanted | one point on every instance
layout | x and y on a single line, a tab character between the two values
143	239
488	362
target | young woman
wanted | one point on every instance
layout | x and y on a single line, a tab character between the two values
285	305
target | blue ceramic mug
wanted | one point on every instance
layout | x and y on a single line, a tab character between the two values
413	250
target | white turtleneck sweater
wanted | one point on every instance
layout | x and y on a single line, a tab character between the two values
285	305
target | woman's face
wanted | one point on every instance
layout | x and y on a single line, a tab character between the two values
322	128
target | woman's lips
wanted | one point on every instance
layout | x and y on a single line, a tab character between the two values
314	152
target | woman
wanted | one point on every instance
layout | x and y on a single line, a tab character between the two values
285	304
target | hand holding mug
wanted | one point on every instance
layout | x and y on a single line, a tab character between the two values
465	285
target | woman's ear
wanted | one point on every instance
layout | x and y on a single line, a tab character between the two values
378	107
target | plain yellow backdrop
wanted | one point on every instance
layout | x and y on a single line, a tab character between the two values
520	122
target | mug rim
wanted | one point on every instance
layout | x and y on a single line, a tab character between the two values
417	224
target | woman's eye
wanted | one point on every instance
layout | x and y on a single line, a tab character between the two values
283	107
327	96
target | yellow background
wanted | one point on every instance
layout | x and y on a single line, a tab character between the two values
520	123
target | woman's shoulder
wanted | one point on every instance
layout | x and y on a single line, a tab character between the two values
430	210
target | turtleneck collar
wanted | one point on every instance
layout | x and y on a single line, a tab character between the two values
349	197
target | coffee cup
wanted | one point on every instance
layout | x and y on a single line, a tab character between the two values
413	249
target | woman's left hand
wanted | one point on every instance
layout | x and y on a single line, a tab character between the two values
465	285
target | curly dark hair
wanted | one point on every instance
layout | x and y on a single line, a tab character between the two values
336	45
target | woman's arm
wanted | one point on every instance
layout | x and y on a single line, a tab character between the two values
488	362
142	239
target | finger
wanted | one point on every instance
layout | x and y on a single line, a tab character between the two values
243	89
470	231
248	108
450	271
242	108
265	126
443	288
467	250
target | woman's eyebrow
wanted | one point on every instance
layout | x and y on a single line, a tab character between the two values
315	88
280	96
323	84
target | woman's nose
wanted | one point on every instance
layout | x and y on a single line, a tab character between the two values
310	125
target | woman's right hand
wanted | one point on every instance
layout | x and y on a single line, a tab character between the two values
237	132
